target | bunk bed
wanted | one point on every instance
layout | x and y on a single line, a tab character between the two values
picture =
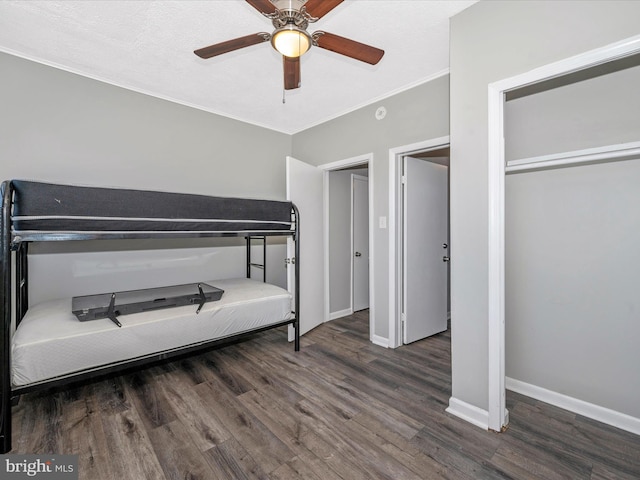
49	347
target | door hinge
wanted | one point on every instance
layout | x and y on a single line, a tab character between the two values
403	179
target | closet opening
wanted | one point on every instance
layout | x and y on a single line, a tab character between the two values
562	188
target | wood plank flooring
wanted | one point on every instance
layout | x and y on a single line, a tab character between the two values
341	408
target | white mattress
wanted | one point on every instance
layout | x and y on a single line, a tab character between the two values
52	342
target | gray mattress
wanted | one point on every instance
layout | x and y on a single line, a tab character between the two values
48	208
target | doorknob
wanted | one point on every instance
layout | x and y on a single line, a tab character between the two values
358	254
445	259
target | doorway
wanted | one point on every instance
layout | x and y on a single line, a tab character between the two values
406	296
348	240
363	163
308	188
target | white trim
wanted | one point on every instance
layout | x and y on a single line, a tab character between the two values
618	151
586	409
395	158
325	234
351	248
347	162
380	341
367	159
143	91
341	313
369	102
395	261
496	219
598	56
149	93
468	412
496	256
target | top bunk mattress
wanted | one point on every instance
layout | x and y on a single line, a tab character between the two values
41	208
51	342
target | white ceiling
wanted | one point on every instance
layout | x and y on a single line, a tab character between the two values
147	46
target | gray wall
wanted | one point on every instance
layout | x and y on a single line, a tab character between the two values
418	114
62	127
490	41
340	238
590	113
59	127
573	257
59	270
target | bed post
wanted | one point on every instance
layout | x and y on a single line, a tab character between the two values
22	281
6	191
264	259
250	263
296	240
248	239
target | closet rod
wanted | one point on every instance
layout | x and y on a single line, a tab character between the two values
616	152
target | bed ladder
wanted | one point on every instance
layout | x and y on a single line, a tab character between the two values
250	264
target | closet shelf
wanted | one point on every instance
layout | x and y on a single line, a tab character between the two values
615	152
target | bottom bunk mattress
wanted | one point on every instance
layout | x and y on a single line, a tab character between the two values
51	342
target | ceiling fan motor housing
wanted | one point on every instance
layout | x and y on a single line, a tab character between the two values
295	5
290	13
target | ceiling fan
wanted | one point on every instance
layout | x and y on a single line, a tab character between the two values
290	18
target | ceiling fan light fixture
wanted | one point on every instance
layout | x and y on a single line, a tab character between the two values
291	41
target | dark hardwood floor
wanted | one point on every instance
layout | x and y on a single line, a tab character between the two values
341	408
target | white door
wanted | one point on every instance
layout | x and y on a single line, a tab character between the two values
425	219
305	188
360	241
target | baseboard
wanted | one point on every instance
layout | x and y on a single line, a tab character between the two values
468	412
340	313
380	341
586	409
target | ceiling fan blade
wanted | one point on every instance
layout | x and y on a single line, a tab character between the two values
319	8
263	6
291	72
349	48
231	45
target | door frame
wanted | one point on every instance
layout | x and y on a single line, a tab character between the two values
365	159
497	412
396	155
354	178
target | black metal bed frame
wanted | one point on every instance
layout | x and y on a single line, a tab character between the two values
9	243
